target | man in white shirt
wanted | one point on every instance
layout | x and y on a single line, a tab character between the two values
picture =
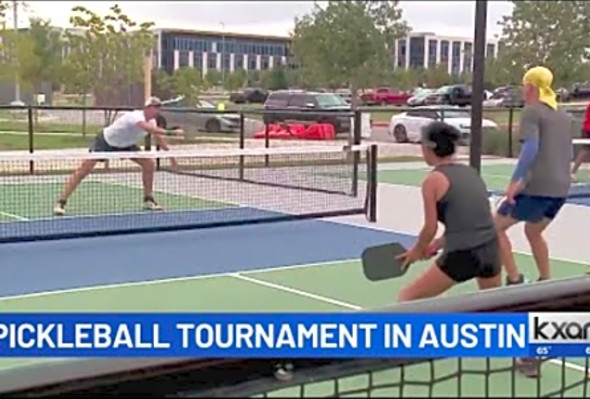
123	135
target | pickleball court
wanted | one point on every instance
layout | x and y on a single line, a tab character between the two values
296	265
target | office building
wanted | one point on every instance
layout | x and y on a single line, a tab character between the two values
220	51
427	50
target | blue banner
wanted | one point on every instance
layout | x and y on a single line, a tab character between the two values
361	335
560	350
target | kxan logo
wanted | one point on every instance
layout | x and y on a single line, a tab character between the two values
565	328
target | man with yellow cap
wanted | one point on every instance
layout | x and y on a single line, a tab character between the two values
541	181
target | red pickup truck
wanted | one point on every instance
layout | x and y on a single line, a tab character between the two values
385	96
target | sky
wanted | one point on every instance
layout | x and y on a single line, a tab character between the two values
449	18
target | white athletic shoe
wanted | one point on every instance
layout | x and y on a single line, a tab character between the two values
151	205
59	209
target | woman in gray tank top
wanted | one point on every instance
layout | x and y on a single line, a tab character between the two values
455	195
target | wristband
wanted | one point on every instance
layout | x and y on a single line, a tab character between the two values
168	132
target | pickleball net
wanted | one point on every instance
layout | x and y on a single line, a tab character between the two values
309	378
203	188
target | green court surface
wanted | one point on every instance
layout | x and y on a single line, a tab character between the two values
337	286
496	177
36	199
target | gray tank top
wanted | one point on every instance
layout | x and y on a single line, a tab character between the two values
465	209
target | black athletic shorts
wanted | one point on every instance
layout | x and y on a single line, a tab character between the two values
482	261
101	145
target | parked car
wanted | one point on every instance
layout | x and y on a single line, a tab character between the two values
580	91
421	97
299	106
385	96
453	95
563	94
345	94
193	121
407	126
249	96
509	98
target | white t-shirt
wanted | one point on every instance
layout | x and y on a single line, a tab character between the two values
124	132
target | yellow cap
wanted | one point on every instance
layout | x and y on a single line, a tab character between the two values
543	79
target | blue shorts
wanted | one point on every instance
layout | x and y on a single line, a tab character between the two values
531	208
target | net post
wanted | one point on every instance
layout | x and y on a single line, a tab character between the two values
241	167
510	121
372	182
356	158
266	142
31	138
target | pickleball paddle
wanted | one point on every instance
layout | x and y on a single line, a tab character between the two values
380	262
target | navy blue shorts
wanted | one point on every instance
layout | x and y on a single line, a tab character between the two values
531	208
101	145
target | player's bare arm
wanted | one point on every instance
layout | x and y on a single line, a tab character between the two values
157	131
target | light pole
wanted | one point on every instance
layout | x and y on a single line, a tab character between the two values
222	54
479	46
16	77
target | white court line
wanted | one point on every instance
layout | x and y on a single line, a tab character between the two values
350	306
294	291
170	280
13	216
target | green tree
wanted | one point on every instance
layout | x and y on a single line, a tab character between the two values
498	74
21	62
438	76
236	80
162	84
293	76
348	42
404	79
189	83
213	77
254	78
107	57
554	33
275	79
47	48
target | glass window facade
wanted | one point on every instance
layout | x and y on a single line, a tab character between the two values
444	52
490	50
468	57
432	47
417	52
183	59
199	43
456	58
401	53
211	61
239	61
198	60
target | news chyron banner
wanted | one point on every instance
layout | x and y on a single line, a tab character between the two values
315	335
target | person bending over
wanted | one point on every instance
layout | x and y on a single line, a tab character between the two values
541	180
455	195
124	134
